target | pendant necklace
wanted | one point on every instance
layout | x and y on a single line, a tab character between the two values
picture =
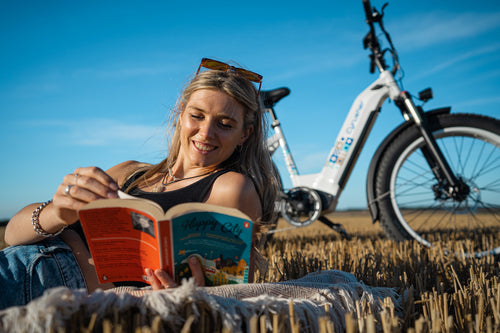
161	187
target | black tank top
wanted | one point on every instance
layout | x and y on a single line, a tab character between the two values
195	192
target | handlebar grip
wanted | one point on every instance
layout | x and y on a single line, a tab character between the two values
372	66
368	10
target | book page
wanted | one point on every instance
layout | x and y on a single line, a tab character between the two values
122	241
189	207
165	246
221	242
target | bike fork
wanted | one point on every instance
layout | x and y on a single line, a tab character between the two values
431	150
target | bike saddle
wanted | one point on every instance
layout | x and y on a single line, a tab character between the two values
271	97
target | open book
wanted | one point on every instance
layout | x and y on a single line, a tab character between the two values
125	236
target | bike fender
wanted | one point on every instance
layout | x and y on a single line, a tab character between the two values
372	170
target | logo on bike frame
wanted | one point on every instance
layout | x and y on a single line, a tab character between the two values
339	152
342	146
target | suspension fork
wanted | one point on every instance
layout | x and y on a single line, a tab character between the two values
431	151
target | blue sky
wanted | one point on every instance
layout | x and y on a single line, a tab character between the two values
91	83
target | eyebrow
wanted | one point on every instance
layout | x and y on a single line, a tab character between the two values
225	116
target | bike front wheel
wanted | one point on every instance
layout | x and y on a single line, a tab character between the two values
411	206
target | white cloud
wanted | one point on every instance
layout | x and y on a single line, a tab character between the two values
101	132
490	49
437	27
123	72
478	102
319	62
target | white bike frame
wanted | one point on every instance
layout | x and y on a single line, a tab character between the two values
351	138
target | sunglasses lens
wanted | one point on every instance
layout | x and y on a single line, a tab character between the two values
214	64
249	75
220	66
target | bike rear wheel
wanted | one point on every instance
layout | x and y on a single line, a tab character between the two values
410	205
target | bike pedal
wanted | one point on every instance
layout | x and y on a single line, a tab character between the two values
335	226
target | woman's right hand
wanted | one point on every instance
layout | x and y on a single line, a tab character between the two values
76	190
84	185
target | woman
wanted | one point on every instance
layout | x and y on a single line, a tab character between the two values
217	155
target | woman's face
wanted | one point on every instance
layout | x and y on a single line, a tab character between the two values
212	126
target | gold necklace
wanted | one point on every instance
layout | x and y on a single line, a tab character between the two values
161	187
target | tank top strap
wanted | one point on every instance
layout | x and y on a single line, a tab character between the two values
204	183
132	179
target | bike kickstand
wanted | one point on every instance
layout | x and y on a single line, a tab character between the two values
335	226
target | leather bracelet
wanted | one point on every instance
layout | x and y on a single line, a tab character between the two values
36	222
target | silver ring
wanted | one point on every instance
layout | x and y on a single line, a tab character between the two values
172	286
67	189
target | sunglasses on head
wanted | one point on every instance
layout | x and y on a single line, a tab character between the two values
221	66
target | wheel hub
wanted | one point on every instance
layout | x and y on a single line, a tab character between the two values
463	198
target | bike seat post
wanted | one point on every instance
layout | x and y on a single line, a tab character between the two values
274	118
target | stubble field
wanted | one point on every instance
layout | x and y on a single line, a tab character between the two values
443	293
446	293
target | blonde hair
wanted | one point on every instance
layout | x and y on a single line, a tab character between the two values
252	160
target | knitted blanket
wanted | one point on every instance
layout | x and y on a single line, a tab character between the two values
326	294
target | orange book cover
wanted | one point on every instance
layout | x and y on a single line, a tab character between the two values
125	236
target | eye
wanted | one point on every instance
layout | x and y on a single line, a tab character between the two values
225	124
196	116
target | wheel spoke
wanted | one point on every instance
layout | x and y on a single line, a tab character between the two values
487	165
424	211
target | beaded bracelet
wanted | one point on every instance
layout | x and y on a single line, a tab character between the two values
36	222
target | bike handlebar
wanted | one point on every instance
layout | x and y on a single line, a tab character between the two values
371	41
368	12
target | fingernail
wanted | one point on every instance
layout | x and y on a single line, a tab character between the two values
148	272
193	260
114	186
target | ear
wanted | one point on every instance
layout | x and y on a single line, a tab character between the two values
246	134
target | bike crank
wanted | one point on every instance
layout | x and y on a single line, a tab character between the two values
301	206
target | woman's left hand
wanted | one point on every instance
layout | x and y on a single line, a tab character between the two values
160	279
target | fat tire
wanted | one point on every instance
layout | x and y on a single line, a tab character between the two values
396	216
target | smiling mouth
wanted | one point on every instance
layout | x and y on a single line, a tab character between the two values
203	146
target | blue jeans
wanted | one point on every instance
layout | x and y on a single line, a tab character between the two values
26	271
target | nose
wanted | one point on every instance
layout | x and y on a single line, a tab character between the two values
207	128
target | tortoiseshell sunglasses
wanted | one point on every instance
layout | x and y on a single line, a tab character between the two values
221	66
